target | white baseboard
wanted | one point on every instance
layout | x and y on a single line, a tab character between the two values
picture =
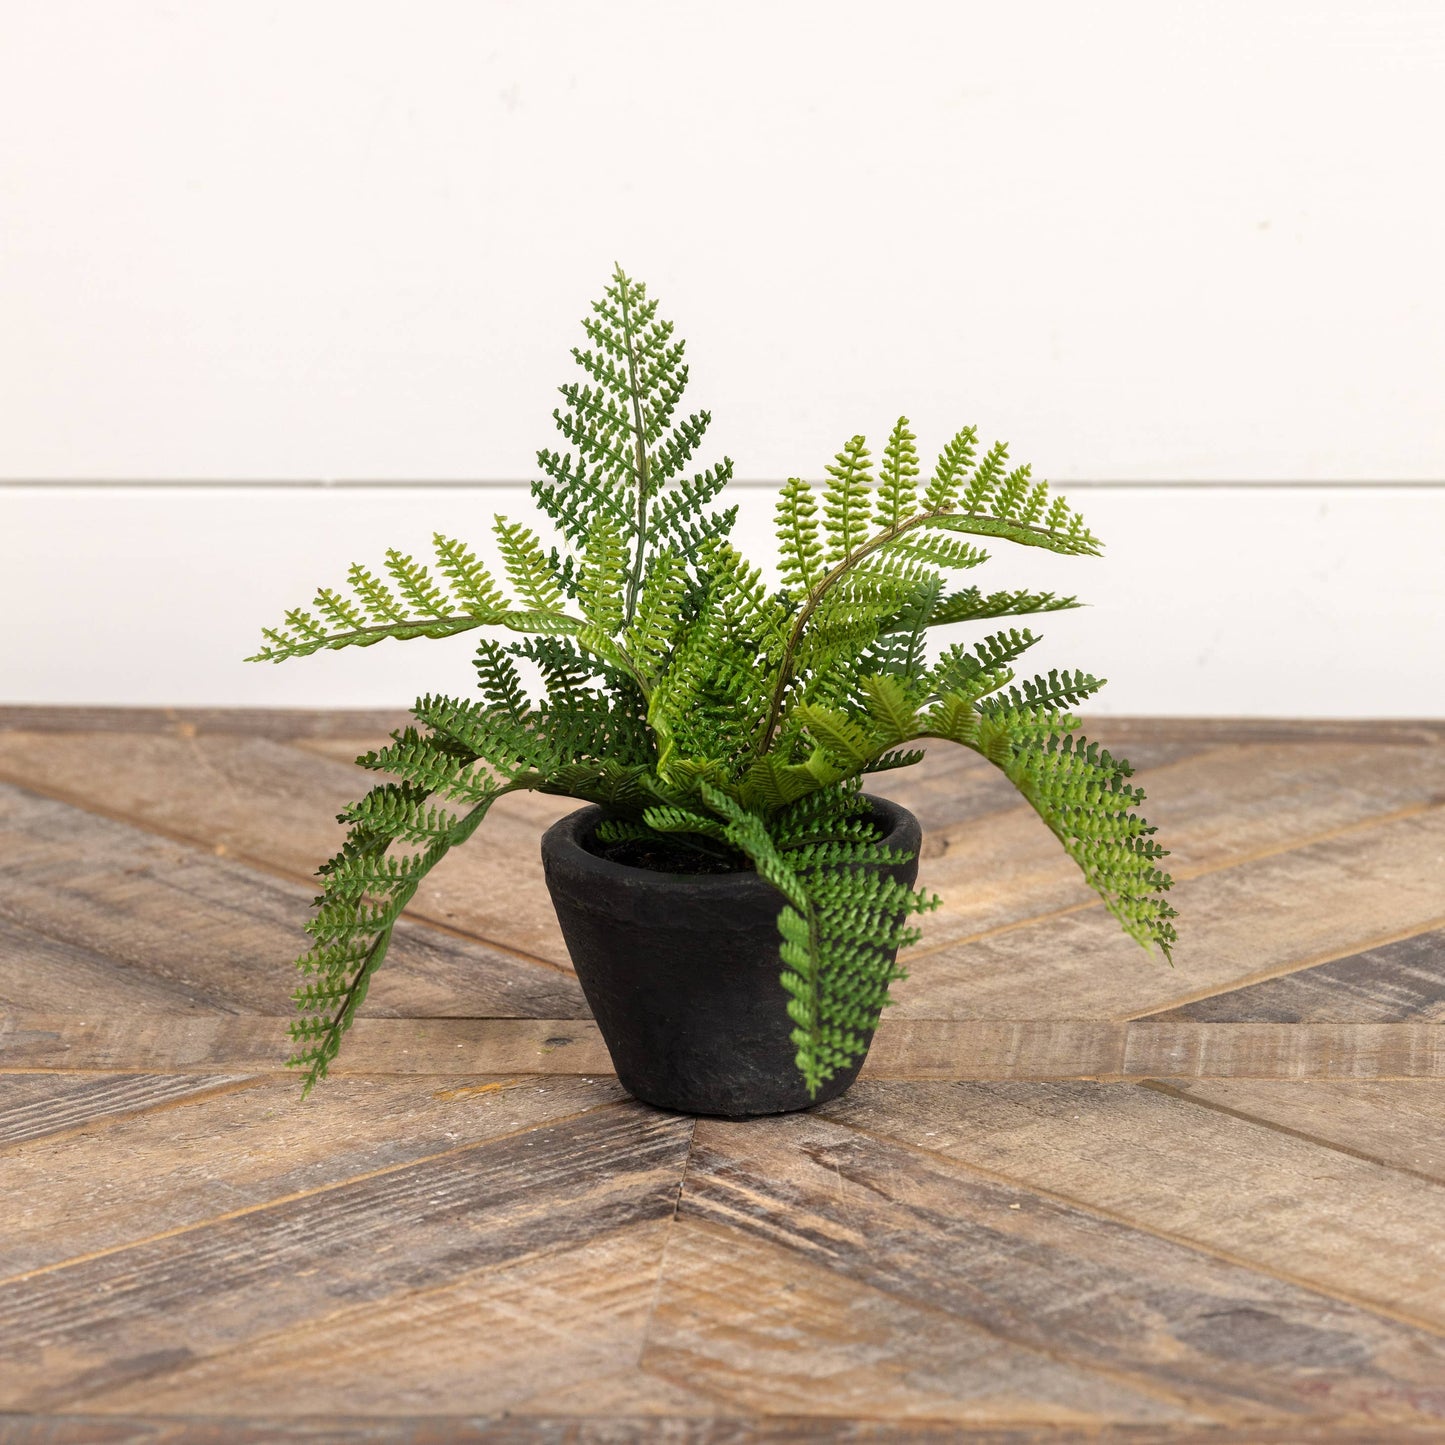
1210	601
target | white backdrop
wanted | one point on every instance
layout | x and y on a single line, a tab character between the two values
1190	247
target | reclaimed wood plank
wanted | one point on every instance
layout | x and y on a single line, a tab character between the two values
1392	983
1216	809
281	722
209	933
1239	924
162	1043
733	1311
1049	1274
492	1340
1426	732
38	1106
269	722
639	1429
1274	1201
1284	1051
628	1393
39	974
1398	1124
151	1174
275	807
903	1048
134	1314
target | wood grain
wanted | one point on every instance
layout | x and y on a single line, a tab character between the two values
1076	1195
136	1314
1043	1273
275	807
1280	1203
734	1310
41	974
902	1049
516	1428
1261	918
492	1340
1215	809
161	1043
184	929
219	1153
271	722
1394	1123
281	722
1398	981
39	1106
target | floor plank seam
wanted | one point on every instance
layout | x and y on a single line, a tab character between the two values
1209	1251
1088	905
344	1312
1162	1086
1149	1385
101	1123
321	1189
1315	961
259	865
646	1333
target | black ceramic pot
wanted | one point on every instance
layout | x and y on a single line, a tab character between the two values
681	972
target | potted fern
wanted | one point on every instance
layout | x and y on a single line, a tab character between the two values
733	901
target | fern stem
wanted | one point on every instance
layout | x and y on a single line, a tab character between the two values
640	467
811	604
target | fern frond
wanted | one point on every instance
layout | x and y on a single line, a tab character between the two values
652	634
352	936
414	583
375	612
471	583
1010	505
891	709
839	928
1058	689
949	553
847	499
949	473
971	605
499	680
980	668
527	566
838	736
378	599
897	495
1081	793
603	576
800	550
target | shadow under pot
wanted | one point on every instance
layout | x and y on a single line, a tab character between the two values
682	972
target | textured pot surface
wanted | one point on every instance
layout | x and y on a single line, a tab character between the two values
682	973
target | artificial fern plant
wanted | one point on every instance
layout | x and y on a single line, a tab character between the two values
696	702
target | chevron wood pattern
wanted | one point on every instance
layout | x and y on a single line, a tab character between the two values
1076	1194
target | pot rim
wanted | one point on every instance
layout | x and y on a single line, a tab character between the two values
562	842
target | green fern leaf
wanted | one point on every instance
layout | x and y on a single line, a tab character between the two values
846	502
897	496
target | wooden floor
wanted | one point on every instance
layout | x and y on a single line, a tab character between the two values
1077	1193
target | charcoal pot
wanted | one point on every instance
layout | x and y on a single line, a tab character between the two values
681	973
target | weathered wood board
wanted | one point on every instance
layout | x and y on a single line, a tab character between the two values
1076	1195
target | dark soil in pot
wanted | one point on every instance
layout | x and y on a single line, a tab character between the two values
681	972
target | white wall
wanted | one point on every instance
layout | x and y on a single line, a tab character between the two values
1149	243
